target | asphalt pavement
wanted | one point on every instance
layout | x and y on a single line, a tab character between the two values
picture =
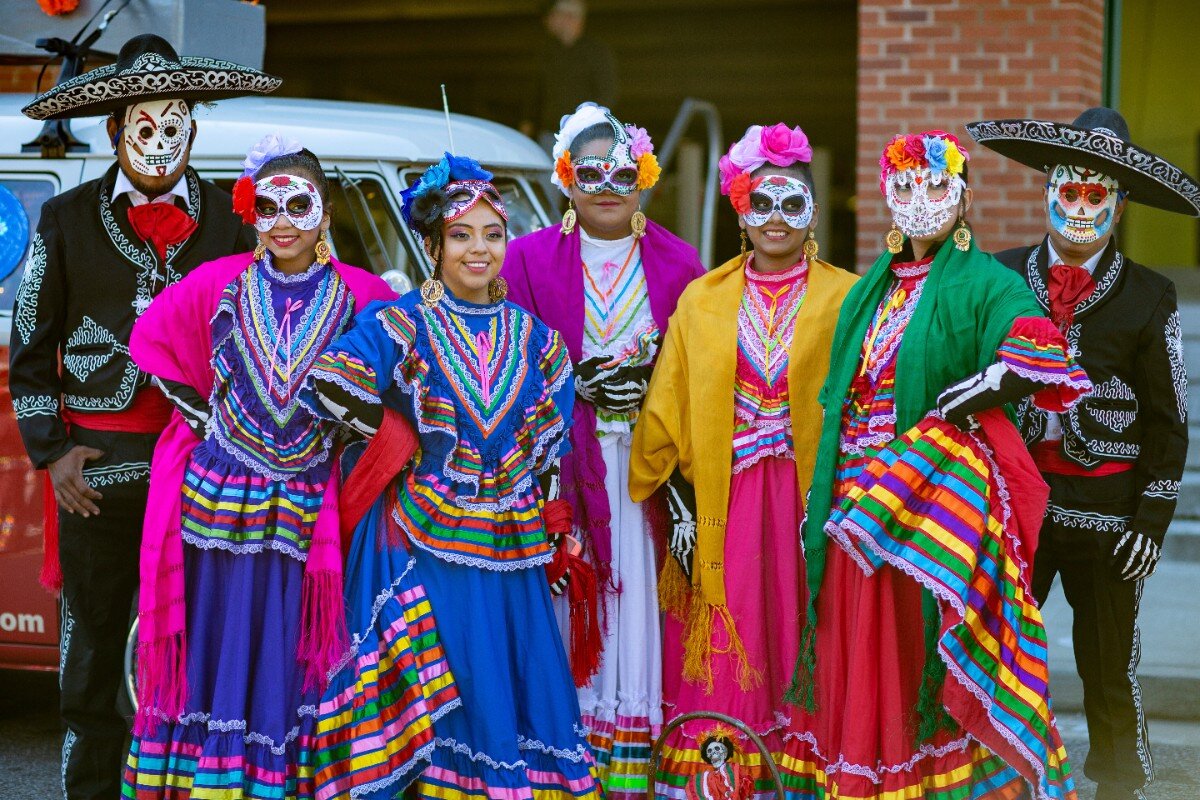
30	740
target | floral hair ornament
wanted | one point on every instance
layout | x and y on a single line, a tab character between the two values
921	178
268	148
629	165
447	190
775	144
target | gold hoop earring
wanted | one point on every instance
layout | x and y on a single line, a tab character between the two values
962	236
497	289
811	248
260	250
638	223
894	240
745	241
568	220
322	250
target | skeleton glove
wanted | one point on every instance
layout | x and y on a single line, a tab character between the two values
1135	557
681	505
194	409
990	388
619	389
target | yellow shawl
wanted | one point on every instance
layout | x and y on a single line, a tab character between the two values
687	421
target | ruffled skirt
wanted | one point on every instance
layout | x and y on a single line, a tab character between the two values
247	727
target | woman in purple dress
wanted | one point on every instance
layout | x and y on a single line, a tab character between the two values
241	614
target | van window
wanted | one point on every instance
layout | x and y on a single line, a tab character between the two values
20	209
360	210
521	208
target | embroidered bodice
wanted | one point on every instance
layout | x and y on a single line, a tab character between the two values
257	478
766	325
617	319
488	389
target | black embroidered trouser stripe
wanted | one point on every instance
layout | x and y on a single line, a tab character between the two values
1105	638
99	557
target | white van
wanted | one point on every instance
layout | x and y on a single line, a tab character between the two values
370	152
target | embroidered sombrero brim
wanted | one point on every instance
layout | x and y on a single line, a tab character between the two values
152	77
1041	144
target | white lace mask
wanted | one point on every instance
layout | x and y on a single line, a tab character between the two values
922	202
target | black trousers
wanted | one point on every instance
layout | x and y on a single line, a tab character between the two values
99	557
1077	546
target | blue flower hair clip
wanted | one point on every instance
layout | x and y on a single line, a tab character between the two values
450	169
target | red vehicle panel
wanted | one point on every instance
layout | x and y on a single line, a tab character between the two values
28	613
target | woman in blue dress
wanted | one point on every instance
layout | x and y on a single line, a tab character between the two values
488	390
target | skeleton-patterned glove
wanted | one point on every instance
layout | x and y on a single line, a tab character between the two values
990	388
619	389
681	505
1135	557
194	409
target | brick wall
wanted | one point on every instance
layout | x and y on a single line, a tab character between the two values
926	64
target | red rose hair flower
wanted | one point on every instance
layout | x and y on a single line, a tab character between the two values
243	199
739	192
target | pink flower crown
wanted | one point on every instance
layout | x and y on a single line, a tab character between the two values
777	144
936	151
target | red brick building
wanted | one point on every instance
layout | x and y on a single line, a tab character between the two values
852	74
926	64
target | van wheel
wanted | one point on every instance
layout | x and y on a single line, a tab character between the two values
131	665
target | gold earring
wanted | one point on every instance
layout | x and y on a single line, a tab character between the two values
260	250
568	221
744	241
638	223
962	236
894	240
497	289
432	291
811	248
322	250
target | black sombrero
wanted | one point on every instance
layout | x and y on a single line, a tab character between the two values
148	69
1098	139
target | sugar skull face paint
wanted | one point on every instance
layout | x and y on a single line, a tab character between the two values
1082	203
288	195
789	196
156	135
922	201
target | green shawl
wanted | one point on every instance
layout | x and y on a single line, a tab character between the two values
967	307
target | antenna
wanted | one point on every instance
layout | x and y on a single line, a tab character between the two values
446	110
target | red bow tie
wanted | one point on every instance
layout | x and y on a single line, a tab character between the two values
162	225
1069	286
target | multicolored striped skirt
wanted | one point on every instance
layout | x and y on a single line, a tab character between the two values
247	729
375	722
931	511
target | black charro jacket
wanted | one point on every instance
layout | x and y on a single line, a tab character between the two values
1127	337
88	277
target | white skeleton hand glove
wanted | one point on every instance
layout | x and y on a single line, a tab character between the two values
681	505
990	388
619	389
194	409
1135	557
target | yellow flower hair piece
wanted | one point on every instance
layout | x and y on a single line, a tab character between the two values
648	170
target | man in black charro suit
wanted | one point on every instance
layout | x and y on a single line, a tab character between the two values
87	415
1114	461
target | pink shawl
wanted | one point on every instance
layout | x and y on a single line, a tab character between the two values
172	340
